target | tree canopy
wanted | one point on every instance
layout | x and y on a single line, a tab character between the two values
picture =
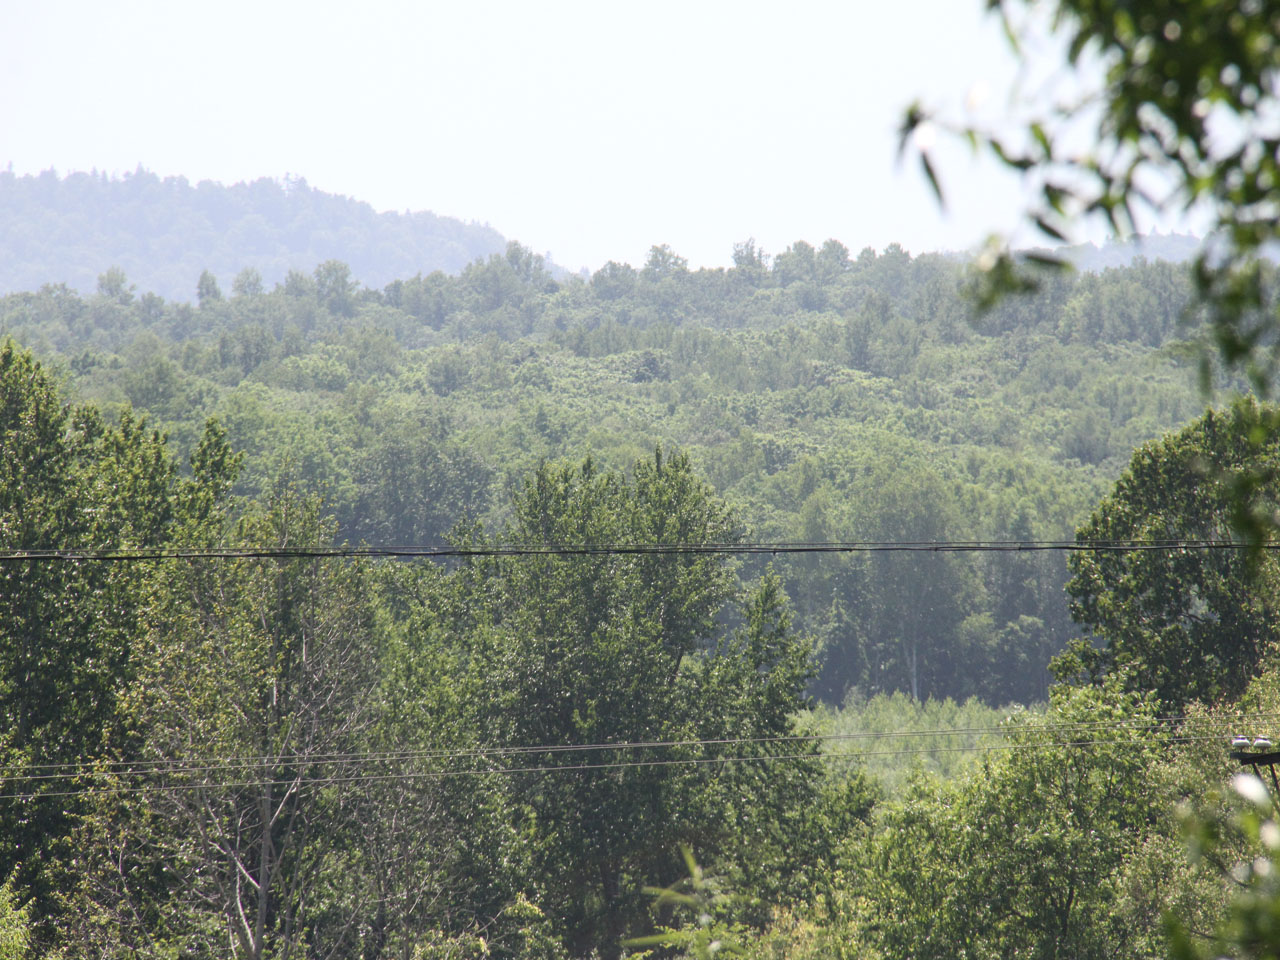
1189	624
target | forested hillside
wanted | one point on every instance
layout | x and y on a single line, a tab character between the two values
829	397
163	233
623	714
241	747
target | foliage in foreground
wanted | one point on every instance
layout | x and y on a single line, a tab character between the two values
301	756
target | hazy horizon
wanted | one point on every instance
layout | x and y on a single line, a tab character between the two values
164	233
590	133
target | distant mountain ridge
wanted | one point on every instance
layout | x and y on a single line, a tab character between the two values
164	232
1171	247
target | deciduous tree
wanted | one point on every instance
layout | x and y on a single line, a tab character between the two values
626	649
69	480
1187	623
259	678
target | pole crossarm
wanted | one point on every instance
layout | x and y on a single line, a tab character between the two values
1256	760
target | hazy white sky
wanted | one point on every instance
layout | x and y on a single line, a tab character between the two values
587	130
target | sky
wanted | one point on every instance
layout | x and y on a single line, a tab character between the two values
589	131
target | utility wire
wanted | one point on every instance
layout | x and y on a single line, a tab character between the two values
136	554
206	764
234	766
298	782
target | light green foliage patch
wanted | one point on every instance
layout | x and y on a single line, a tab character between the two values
897	738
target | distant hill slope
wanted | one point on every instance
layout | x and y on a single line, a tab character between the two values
163	233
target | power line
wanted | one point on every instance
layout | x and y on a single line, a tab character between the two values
496	550
301	781
191	766
202	764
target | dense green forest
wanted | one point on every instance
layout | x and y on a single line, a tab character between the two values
829	397
861	754
228	733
